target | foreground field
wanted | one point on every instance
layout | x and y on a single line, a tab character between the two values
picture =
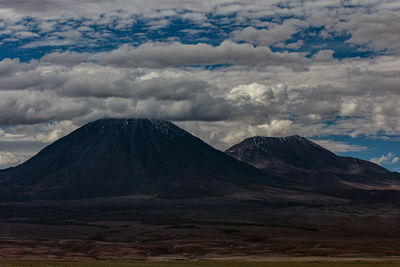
273	263
138	230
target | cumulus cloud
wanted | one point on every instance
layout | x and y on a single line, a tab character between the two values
90	91
8	159
274	33
49	42
324	55
249	90
28	107
65	58
157	55
154	8
21	142
390	158
379	31
10	66
373	24
31	137
258	93
354	94
337	146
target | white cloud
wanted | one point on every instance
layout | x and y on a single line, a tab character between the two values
374	24
261	92
337	146
89	91
157	55
62	87
390	158
323	56
258	93
65	58
274	33
7	159
378	30
49	42
276	127
54	131
25	34
295	45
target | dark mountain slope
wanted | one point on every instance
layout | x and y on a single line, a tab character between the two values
276	153
314	167
115	157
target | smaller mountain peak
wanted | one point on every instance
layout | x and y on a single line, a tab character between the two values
293	144
295	137
278	138
291	138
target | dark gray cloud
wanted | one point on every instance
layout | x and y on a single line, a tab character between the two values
158	55
65	58
29	107
272	33
265	98
21	146
11	66
20	81
379	31
89	91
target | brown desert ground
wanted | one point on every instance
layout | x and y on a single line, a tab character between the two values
122	233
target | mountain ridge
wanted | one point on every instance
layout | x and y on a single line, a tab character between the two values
122	157
314	167
296	145
141	188
111	157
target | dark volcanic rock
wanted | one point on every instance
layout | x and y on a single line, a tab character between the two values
312	167
115	157
141	188
281	153
155	190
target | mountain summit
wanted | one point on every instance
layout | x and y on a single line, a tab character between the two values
283	153
157	159
311	167
116	157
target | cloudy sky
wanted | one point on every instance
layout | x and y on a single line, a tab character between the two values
223	70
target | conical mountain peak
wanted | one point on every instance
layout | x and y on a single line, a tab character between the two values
116	157
162	126
295	143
